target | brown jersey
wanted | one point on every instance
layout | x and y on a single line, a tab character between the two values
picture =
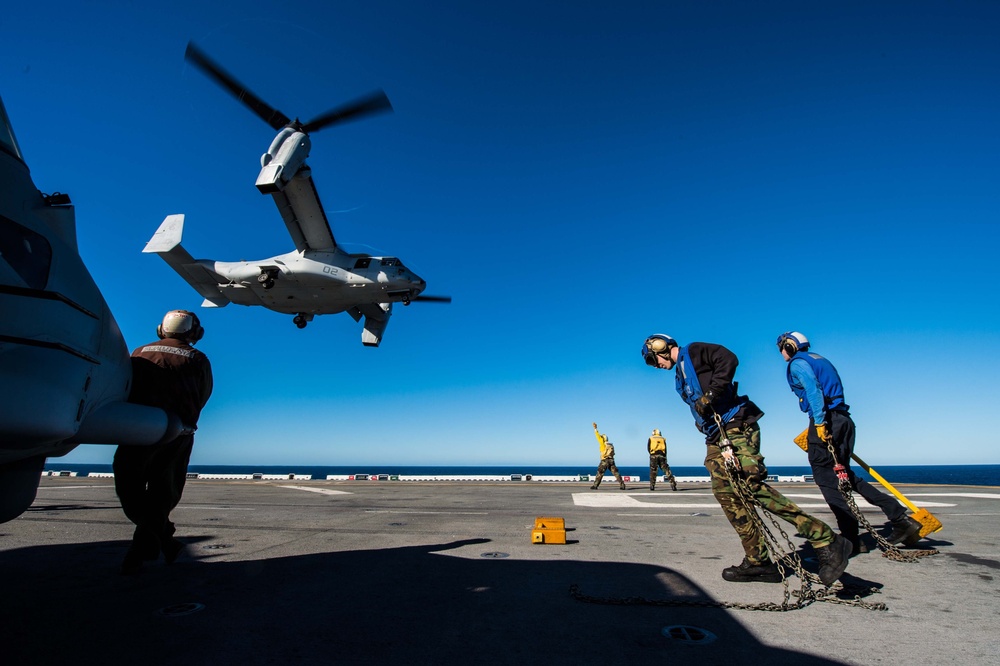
172	375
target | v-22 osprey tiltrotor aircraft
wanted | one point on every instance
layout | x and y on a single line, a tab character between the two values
319	277
64	364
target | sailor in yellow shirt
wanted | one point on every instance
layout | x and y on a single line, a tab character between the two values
607	460
657	447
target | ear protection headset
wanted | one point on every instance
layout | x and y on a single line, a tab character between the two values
655	345
180	324
792	342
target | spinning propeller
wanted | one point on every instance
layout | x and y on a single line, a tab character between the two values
375	102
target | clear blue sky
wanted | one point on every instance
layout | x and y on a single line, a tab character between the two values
576	175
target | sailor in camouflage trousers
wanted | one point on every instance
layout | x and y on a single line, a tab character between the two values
607	460
746	442
704	381
657	447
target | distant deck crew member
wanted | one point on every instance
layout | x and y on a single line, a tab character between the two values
704	381
149	480
607	450
657	447
816	383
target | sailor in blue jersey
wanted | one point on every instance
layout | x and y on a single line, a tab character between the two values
816	383
705	383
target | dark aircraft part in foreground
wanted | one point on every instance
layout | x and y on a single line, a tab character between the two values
19	483
64	365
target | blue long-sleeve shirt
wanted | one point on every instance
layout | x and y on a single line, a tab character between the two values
803	375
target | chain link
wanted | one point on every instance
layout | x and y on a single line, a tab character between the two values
889	550
789	558
803	597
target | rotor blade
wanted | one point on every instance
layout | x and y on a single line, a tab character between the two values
276	119
375	102
433	299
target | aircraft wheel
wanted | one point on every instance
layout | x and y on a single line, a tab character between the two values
266	284
299	321
263	277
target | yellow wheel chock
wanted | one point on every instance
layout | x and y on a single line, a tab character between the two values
549	530
928	522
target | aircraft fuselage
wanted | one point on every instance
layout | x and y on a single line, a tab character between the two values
64	365
316	282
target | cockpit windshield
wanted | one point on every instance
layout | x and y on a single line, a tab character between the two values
7	141
392	261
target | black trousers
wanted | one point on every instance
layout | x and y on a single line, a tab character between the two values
149	481
841	426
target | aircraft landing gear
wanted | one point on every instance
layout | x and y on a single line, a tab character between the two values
300	321
266	279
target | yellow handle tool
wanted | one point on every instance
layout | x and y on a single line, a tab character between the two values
928	522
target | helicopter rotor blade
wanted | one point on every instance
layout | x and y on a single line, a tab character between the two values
432	299
375	102
276	119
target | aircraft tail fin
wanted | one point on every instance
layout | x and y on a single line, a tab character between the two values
167	236
166	242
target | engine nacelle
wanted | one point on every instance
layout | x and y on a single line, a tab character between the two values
287	154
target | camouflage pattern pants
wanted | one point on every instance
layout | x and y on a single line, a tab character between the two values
606	464
746	441
658	461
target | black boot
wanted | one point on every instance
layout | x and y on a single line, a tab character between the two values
744	572
833	560
623	485
673	485
858	547
905	531
652	487
132	562
145	547
171	549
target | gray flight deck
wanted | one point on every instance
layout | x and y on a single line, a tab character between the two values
346	572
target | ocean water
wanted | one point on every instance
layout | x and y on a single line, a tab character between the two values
968	475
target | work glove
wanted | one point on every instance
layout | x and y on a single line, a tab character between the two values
729	455
823	434
703	405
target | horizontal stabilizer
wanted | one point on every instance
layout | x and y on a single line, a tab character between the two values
166	242
168	236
